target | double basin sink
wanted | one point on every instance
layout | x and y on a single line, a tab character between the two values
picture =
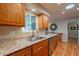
41	37
36	38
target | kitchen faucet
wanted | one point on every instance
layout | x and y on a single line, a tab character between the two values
33	34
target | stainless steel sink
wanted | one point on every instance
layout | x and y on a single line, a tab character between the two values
36	38
40	38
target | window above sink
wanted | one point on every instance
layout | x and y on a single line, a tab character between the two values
30	23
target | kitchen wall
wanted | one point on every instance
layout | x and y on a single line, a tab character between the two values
11	34
62	27
11	31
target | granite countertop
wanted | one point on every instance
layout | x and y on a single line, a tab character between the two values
15	45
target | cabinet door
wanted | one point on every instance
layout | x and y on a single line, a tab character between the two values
40	21
37	52
51	45
45	22
28	54
45	50
3	14
11	14
55	42
59	37
23	52
15	14
20	14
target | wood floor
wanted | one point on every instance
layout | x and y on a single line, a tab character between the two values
67	49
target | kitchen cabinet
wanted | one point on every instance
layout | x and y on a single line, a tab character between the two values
52	45
58	38
37	52
54	42
45	21
22	52
42	21
12	14
40	49
45	50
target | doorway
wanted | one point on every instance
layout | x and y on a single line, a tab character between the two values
73	31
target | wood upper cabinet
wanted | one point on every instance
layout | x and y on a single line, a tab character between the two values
12	14
42	21
45	21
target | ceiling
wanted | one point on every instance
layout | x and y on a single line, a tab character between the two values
55	10
38	8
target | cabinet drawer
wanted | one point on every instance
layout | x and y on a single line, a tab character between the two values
28	54
37	52
36	46
23	52
44	42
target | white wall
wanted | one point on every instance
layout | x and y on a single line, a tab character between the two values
62	27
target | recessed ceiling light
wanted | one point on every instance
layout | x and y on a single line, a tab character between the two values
77	8
58	3
33	10
69	6
63	12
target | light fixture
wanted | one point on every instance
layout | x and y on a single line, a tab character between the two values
33	10
69	6
58	3
77	8
63	12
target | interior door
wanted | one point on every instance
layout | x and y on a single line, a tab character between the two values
73	32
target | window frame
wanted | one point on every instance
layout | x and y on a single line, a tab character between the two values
36	21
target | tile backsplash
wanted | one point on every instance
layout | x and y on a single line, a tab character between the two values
10	33
7	32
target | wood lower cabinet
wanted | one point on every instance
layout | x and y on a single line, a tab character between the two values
45	50
12	14
52	45
58	38
54	42
37	52
22	52
40	49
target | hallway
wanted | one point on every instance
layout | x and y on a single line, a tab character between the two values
67	49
